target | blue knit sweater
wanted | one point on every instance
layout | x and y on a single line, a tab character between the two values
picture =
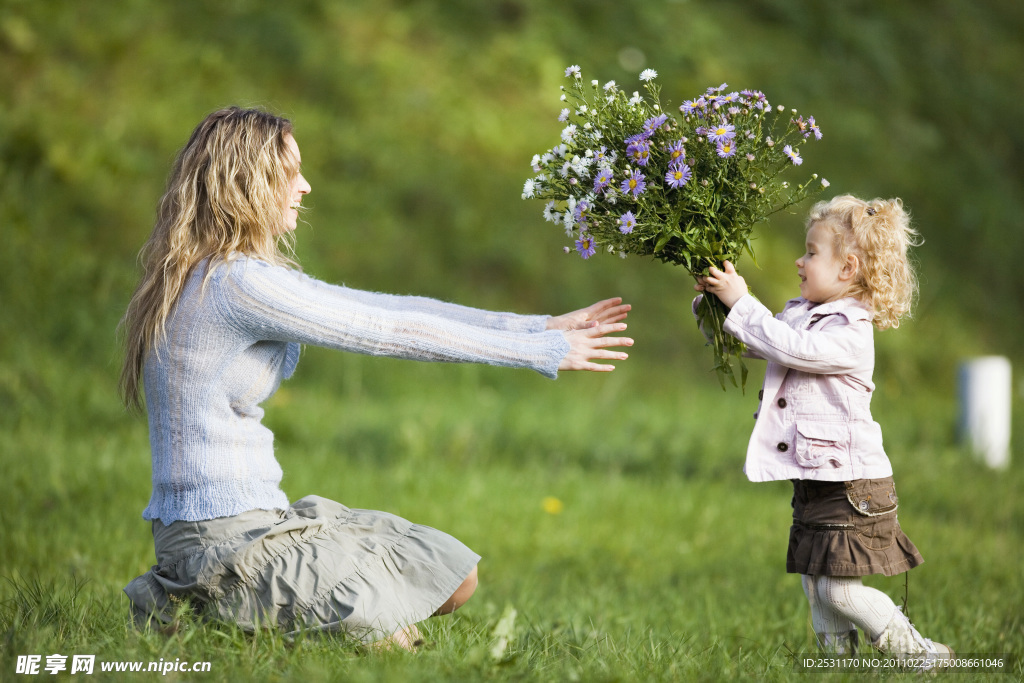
231	342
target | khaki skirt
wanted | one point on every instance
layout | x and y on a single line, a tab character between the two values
848	529
316	565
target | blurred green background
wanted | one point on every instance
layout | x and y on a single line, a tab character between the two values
417	121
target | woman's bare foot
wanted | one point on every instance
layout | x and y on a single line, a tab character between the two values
407	638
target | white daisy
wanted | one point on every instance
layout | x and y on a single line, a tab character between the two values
528	188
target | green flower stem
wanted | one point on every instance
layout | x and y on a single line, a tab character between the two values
711	315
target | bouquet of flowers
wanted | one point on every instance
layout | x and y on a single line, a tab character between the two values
687	188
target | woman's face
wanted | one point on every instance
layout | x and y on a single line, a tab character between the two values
296	189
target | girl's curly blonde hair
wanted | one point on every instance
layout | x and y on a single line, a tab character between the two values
879	234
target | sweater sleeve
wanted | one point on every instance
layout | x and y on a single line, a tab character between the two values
274	303
837	347
510	322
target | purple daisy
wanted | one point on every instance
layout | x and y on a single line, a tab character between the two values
694	106
716	100
722	131
639	152
602	179
675	152
726	148
627	222
634	184
793	155
585	246
814	128
678	175
654	123
758	98
582	212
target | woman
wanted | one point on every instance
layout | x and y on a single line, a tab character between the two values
216	323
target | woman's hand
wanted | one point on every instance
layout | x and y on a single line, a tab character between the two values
728	285
603	312
590	343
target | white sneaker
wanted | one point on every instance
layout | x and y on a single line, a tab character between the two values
901	638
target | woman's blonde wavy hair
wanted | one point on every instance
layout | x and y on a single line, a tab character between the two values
225	196
879	234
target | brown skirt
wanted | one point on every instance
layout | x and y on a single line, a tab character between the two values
848	528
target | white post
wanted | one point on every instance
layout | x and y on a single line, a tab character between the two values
985	397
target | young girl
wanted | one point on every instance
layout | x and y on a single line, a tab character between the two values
814	424
215	325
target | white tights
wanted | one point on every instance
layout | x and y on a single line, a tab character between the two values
840	604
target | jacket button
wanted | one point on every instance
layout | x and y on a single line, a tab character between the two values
783	446
782	403
760	395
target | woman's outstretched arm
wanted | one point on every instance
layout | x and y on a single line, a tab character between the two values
274	303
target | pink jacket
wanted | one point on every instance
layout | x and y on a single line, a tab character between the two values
814	420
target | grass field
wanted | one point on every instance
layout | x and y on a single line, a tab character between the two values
621	541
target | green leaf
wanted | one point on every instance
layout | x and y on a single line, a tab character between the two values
662	241
750	250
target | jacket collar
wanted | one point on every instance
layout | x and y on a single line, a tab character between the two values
849	307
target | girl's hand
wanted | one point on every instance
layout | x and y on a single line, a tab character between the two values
589	343
603	312
728	285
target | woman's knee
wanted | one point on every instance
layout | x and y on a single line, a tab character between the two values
466	590
463	593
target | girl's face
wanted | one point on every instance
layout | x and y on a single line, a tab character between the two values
296	189
822	277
